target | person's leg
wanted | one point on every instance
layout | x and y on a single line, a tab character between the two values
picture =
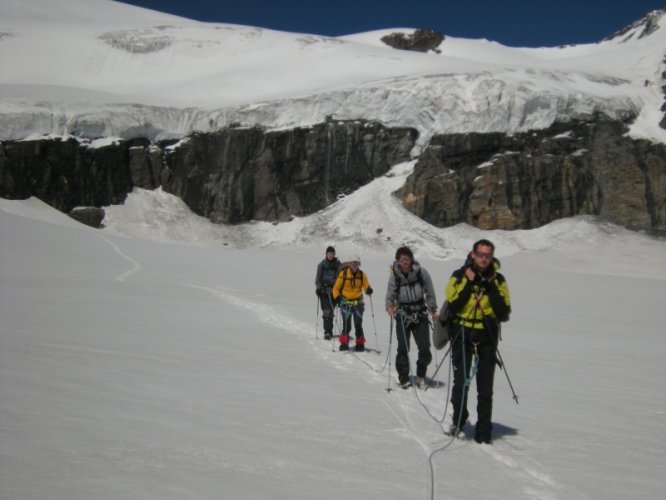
422	339
402	358
484	386
461	358
346	327
327	314
358	328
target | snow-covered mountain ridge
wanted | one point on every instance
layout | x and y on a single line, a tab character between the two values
100	68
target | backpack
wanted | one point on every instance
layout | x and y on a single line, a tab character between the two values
343	270
441	333
398	281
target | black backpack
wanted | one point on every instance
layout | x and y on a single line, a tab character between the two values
441	333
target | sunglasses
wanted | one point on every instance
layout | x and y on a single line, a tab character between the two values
484	255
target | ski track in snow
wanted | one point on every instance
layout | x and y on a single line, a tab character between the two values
267	314
538	483
135	265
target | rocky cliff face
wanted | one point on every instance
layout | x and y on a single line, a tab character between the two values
662	123
421	40
65	174
237	175
494	181
231	176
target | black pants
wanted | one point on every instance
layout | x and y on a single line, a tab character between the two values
327	310
354	312
468	342
421	331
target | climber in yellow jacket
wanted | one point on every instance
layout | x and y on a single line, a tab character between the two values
479	301
348	293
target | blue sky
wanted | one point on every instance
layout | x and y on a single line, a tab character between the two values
526	23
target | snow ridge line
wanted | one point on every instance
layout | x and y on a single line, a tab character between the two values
135	265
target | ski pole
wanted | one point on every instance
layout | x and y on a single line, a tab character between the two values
503	368
317	320
335	311
388	388
372	309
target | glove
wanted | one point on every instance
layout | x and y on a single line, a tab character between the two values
369	291
318	291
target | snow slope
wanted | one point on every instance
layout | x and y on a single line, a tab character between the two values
166	357
96	68
134	368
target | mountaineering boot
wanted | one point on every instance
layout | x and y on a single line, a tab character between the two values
404	382
421	382
482	439
456	430
483	432
360	344
344	342
328	336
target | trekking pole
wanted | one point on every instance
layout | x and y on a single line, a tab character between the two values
372	309
503	368
388	388
337	319
317	320
498	357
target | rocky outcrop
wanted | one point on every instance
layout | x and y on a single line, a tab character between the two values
422	40
237	175
492	181
231	176
495	181
64	173
662	123
90	216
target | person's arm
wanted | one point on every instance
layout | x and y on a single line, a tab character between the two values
318	278
498	295
337	287
430	294
458	292
429	289
366	284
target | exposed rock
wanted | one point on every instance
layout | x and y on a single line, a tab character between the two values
231	176
237	175
90	216
65	174
487	180
494	181
643	27
662	123
422	40
145	164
